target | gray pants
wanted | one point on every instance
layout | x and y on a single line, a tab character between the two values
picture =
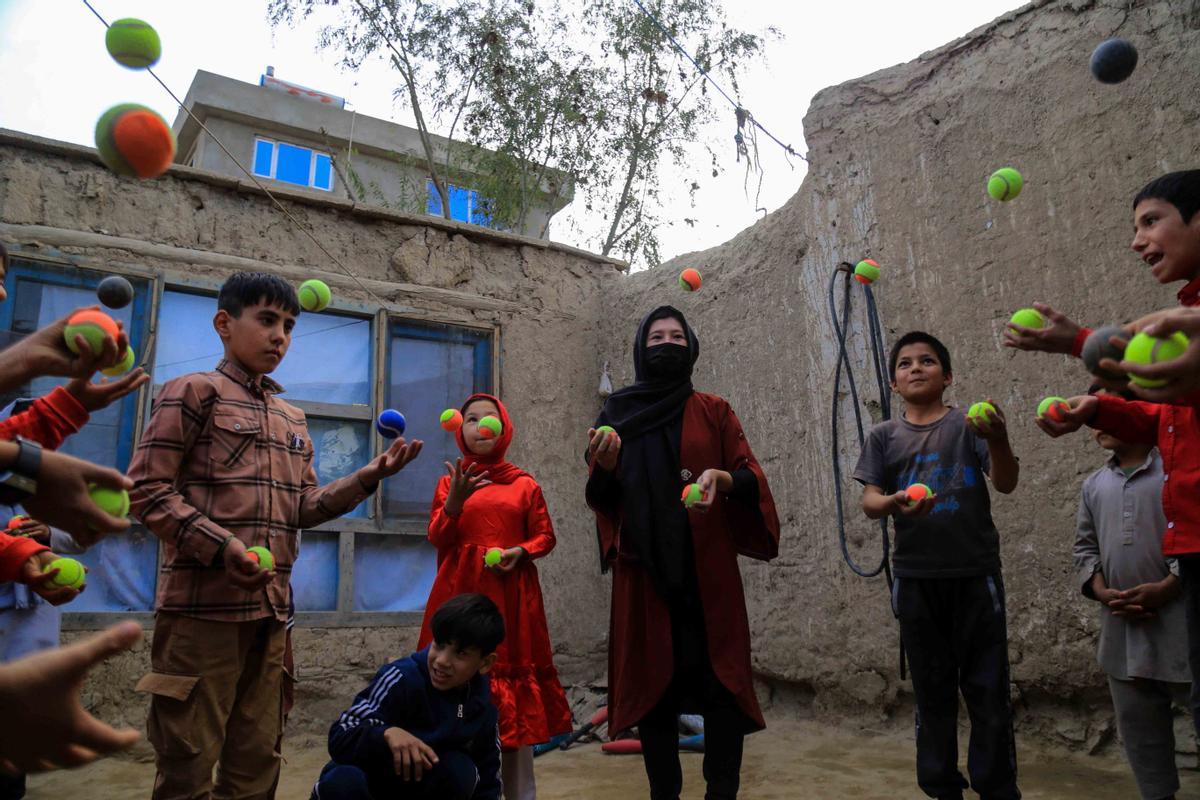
1147	727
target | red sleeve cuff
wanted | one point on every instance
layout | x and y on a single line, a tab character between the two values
68	407
16	551
1080	338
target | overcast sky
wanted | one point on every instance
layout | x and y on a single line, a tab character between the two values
56	79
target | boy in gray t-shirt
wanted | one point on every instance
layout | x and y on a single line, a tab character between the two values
1143	631
948	593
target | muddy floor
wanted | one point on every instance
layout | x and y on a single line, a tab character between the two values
790	760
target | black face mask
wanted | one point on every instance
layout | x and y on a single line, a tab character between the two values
668	362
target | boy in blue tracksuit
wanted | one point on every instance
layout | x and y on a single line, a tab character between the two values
426	726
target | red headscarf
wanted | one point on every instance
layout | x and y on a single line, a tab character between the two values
498	470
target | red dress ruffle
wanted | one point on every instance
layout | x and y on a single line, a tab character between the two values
525	687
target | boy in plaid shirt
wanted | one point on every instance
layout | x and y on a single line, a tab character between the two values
225	465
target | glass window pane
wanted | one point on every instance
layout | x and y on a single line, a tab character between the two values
480	211
186	339
392	573
315	573
432	369
434	204
329	360
123	571
460	204
293	164
321	178
341	446
262	158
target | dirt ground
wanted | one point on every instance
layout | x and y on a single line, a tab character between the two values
790	760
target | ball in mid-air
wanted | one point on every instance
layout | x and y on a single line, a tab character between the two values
135	141
314	295
1005	184
1146	349
866	271
115	291
1114	60
390	424
451	419
490	428
132	43
689	280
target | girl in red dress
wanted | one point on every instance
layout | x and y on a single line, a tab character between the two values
483	503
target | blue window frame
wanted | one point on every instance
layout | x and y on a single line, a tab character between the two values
123	567
466	205
292	163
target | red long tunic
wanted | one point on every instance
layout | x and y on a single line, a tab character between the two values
525	687
640	663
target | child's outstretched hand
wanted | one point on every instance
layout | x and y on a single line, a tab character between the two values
391	461
33	575
45	724
1083	408
410	756
995	429
604	448
62	498
509	558
1057	337
45	352
463	484
1183	373
95	396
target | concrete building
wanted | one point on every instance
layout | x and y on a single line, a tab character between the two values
293	136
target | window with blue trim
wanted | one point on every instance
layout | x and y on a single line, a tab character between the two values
292	163
123	567
466	205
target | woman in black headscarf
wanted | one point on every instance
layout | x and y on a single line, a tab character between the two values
679	639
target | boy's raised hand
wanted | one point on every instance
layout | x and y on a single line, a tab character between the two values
390	461
242	570
1183	373
1058	336
1083	408
410	756
45	724
62	499
604	448
995	429
45	352
35	576
463	484
95	396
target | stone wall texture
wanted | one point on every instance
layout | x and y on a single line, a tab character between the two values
897	166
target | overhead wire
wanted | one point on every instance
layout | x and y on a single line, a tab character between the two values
295	221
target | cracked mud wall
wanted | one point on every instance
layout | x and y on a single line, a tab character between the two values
899	161
58	203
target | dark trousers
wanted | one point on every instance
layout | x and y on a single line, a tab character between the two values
955	634
12	787
454	777
1189	573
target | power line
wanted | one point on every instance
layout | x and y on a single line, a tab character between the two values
737	107
251	176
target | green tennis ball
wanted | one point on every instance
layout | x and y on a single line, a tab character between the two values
692	495
122	366
70	575
114	501
266	561
606	429
982	411
1053	407
133	44
490	428
1146	349
866	271
918	492
135	141
1028	318
94	326
314	295
493	556
1005	184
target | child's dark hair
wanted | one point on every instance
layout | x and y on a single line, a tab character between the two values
249	288
469	620
1180	189
919	337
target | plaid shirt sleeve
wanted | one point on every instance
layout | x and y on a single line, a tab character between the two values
49	421
177	421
